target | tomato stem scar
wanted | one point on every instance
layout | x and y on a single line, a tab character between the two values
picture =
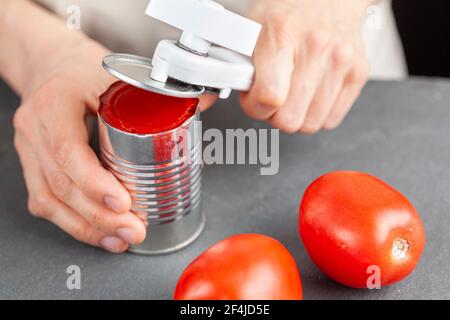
400	248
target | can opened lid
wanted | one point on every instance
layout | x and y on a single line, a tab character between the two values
137	70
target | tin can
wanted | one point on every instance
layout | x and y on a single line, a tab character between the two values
162	172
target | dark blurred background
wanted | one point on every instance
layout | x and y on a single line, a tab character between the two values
424	26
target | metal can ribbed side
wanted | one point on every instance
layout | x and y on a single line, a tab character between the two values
164	185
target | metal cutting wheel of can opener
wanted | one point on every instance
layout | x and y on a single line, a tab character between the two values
212	54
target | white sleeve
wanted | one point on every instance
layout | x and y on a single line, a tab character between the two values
383	44
123	27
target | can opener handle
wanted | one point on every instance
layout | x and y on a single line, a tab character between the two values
214	49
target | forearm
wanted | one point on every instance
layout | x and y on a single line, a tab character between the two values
31	39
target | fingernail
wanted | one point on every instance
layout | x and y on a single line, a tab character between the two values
126	234
112	244
112	203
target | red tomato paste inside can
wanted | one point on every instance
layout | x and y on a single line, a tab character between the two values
133	110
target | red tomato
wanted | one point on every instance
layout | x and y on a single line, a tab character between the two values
356	227
242	267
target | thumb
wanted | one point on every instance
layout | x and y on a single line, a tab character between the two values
274	63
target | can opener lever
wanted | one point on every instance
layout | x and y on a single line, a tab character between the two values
214	49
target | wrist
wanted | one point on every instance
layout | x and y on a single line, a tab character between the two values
78	55
39	45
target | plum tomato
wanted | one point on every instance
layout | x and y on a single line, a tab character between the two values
242	267
359	230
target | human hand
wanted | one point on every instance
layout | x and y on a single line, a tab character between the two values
66	183
310	63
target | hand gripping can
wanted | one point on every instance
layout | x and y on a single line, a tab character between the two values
162	172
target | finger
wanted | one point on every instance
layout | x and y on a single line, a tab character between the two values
79	162
310	65
354	83
69	148
274	63
127	225
43	204
206	101
72	223
328	91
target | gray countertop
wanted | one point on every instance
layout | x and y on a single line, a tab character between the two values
398	131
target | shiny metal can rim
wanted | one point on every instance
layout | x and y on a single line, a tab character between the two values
142	251
151	135
136	70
